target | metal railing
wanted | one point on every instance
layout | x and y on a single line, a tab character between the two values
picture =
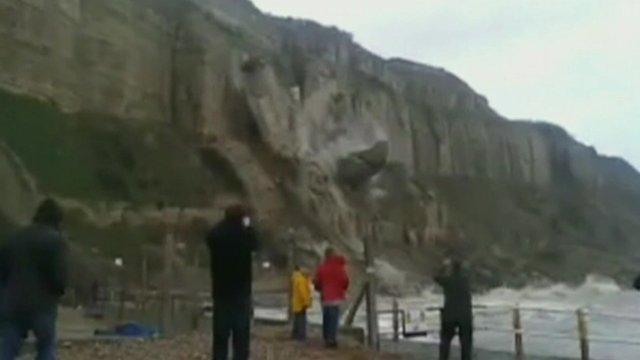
518	329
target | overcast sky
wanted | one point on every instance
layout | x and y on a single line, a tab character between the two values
575	63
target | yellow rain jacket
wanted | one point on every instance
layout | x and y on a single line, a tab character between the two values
301	292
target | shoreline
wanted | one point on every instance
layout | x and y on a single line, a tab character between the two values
416	350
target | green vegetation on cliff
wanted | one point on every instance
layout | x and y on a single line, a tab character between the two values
92	159
95	157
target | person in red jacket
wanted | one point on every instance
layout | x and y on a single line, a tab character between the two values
332	282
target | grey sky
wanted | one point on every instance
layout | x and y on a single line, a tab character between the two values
571	62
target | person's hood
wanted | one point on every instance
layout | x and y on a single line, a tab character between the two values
233	224
336	260
232	221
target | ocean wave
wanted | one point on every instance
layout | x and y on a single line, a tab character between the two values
596	291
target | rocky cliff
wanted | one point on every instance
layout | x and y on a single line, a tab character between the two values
195	102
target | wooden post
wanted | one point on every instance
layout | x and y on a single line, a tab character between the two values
166	283
174	300
518	333
351	314
371	300
142	301
122	303
441	313
396	321
583	332
291	264
195	319
73	298
145	271
196	311
196	261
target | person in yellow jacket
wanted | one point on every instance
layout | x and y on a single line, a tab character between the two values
301	300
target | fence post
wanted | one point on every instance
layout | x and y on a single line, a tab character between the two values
166	299
291	264
121	303
72	298
440	315
518	333
173	302
145	271
396	321
583	332
351	314
371	291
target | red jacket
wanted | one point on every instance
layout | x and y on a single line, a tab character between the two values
332	280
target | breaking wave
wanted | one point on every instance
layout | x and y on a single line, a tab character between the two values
592	292
550	309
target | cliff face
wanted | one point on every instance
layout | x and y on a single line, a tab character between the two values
324	137
95	56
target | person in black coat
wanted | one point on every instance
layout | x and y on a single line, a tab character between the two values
231	244
457	314
33	275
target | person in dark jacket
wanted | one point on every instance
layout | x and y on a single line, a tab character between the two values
33	273
636	283
457	313
332	282
231	245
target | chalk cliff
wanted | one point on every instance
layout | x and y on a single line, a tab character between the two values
317	133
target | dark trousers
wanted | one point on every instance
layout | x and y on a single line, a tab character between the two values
448	332
299	331
16	328
330	323
231	319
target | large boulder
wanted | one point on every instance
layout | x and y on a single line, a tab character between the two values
358	167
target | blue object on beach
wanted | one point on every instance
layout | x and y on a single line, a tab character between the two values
136	330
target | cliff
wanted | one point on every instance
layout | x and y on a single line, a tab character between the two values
196	102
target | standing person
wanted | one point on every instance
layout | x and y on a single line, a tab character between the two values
33	272
457	313
231	245
332	282
301	301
